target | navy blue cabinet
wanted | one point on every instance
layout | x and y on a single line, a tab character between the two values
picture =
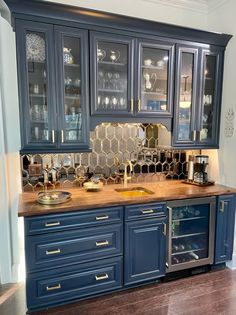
53	87
224	228
199	71
53	287
130	77
73	255
145	243
144	250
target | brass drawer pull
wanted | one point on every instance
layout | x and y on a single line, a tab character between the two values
103	217
53	136
52	224
139	105
222	206
164	228
102	243
148	211
131	105
56	287
53	252
101	277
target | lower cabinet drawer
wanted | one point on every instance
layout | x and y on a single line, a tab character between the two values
64	284
56	249
145	211
65	221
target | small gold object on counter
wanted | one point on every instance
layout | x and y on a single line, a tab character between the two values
93	186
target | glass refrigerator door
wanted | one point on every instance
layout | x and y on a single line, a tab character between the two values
190	233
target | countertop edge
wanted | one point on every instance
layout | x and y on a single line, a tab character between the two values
32	208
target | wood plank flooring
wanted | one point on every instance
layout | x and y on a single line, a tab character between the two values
212	293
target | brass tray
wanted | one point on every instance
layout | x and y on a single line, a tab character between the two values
53	197
186	181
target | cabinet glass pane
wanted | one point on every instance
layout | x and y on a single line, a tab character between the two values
37	85
185	96
190	233
208	97
112	76
72	89
154	85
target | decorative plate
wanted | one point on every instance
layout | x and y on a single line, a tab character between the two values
53	197
35	47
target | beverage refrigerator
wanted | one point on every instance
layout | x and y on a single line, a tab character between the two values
191	231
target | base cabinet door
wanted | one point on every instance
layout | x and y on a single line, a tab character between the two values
224	228
145	250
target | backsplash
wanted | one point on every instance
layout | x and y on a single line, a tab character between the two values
146	145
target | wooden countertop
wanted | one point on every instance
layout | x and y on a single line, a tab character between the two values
81	200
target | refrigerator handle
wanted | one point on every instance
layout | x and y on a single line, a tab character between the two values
168	243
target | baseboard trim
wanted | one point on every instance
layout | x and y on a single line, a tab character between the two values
232	263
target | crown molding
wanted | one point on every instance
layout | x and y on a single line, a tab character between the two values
214	4
199	6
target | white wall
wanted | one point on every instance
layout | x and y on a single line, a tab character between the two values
10	179
223	19
146	9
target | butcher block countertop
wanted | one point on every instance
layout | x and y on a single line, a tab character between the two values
81	199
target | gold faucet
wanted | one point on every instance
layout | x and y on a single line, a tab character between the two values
126	177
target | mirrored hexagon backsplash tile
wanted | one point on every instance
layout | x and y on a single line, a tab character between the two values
147	146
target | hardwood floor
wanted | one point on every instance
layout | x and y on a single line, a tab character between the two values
212	293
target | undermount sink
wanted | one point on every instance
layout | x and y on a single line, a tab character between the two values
134	192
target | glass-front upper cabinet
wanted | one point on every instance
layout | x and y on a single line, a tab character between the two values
197	99
72	56
36	84
185	100
53	83
111	74
155	78
209	118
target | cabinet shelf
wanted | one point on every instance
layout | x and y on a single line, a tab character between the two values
154	93
72	97
39	122
187	219
154	68
188	235
188	251
109	63
37	95
71	65
111	91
